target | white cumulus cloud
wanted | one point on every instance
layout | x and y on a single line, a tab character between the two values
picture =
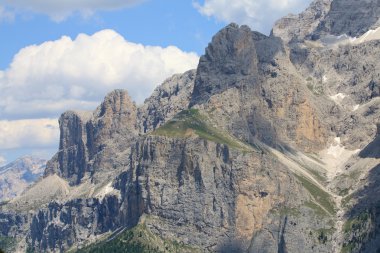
45	80
35	133
59	10
258	14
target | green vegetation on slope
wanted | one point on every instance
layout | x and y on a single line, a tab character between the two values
316	209
190	122
136	240
355	229
7	244
320	196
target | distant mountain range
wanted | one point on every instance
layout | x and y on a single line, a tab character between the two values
16	176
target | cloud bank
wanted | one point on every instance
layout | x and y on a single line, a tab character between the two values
258	14
45	80
59	10
36	133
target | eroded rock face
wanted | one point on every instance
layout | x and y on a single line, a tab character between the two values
348	76
71	160
209	189
256	93
288	100
167	100
87	138
205	189
329	17
350	17
294	28
113	120
58	226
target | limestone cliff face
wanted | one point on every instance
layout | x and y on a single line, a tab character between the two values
167	100
271	145
294	28
256	93
88	138
113	120
207	196
329	17
353	18
71	160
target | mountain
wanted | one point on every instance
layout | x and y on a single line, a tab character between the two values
16	176
270	145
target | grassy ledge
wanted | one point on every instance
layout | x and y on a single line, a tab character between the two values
319	195
191	122
137	240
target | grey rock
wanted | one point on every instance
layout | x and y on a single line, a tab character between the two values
167	100
350	17
289	101
293	28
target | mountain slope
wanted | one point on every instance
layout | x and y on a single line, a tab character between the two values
269	146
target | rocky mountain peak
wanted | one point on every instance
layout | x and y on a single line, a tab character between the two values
297	27
236	52
117	102
330	17
232	50
264	148
351	17
117	113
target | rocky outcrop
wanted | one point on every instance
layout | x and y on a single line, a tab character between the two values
231	53
58	226
71	160
269	146
87	138
168	99
352	18
348	77
256	93
329	17
237	197
114	121
293	28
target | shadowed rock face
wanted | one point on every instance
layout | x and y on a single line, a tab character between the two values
329	17
73	154
350	17
87	138
372	150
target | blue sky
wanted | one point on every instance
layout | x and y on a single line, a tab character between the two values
66	54
150	23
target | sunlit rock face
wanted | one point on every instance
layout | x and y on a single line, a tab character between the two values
270	145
